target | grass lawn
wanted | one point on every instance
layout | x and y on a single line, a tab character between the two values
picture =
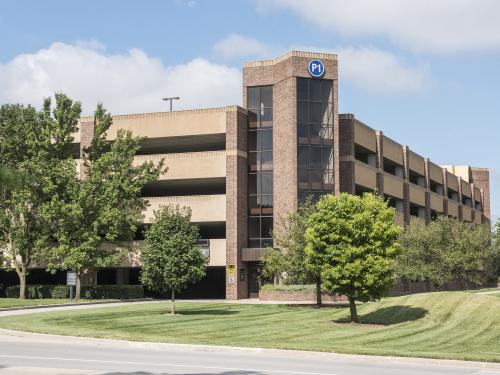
15	302
455	325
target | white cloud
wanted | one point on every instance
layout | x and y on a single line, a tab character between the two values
125	83
438	26
380	71
235	45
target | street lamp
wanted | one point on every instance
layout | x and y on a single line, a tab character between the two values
170	100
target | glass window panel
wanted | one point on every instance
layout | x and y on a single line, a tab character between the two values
302	195
326	91
255	243
266	96
316	179
266	227
315	157
267	183
266	201
252	141
253	97
303	178
315	116
316	133
303	134
327	157
252	162
302	108
327	114
302	89
303	157
266	116
252	183
265	140
315	90
328	180
266	242
253	206
254	227
266	161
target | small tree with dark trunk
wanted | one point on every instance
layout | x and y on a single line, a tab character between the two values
354	239
171	258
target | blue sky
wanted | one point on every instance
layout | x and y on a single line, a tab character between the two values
407	67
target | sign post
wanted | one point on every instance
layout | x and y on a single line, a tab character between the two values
71	281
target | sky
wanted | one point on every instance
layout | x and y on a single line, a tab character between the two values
425	72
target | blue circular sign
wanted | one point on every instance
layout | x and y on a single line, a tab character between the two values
316	68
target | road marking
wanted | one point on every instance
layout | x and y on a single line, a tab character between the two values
166	364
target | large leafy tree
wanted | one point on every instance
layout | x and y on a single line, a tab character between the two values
289	256
37	146
355	241
102	206
171	258
447	250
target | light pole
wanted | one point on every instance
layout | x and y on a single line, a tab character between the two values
170	100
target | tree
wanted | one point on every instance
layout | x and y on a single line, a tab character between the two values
35	145
446	250
355	241
103	206
289	256
171	258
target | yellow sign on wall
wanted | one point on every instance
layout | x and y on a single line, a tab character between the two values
231	272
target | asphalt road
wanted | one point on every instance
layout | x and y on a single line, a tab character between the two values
25	353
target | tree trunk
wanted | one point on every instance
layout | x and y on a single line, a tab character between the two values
78	286
22	284
172	310
354	312
318	292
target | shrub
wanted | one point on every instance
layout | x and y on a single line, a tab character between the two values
289	288
88	291
112	291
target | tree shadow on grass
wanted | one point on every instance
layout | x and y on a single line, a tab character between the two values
205	312
390	315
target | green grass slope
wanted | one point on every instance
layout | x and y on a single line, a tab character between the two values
455	325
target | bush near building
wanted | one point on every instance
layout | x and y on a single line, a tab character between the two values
87	291
447	251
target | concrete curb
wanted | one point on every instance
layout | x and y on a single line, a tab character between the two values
73	304
221	348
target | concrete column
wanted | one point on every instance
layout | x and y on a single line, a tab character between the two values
236	203
460	205
380	161
427	190
406	184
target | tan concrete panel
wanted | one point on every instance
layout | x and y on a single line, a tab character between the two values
365	136
217	252
416	162
452	208
393	151
466	213
417	195
466	189
133	256
393	185
436	173
477	194
204	208
436	202
252	254
189	165
365	175
172	124
452	181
